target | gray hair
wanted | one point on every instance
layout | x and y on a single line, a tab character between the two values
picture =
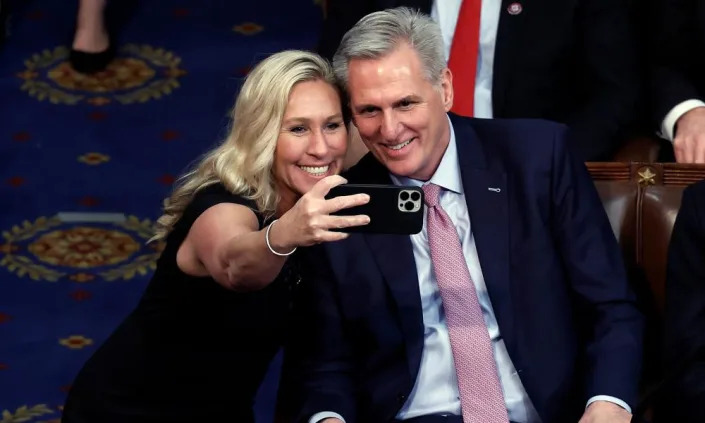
379	33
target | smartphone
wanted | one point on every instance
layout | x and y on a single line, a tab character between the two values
392	209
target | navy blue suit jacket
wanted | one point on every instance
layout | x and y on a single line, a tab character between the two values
552	268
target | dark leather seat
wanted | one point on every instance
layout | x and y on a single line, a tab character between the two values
642	201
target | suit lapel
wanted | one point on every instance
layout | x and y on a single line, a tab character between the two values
486	194
507	46
394	256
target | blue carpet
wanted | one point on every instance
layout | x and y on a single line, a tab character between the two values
85	163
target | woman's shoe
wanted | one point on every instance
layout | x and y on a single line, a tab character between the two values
116	15
90	63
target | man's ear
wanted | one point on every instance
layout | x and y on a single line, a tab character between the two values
447	88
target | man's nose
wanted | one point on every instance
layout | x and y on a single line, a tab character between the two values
390	126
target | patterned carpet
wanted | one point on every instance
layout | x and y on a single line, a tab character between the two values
86	161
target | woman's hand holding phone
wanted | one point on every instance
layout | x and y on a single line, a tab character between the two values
311	220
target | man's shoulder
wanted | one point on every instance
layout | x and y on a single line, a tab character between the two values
520	124
512	131
514	140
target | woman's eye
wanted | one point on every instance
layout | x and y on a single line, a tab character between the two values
297	129
333	126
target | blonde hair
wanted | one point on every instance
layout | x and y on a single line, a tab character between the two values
243	161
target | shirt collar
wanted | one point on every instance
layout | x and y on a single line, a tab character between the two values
447	175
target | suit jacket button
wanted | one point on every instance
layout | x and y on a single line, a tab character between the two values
401	398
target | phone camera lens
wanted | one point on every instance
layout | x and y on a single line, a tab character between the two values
415	196
404	195
409	205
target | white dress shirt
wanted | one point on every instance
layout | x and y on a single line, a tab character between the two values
668	126
446	14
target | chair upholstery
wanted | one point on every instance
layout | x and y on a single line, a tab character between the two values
642	201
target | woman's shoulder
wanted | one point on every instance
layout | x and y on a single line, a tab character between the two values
217	193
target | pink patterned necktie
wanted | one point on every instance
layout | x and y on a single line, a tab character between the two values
481	396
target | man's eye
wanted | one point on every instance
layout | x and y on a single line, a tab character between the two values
405	104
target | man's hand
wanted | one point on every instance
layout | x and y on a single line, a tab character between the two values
689	143
605	412
331	420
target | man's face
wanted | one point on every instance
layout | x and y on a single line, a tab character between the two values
401	116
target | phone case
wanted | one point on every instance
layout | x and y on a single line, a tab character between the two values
392	209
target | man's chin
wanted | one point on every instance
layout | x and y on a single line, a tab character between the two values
401	168
392	160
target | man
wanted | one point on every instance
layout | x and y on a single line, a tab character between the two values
684	318
510	305
570	61
678	76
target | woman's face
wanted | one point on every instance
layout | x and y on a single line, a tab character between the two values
313	138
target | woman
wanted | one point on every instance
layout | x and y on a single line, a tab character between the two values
199	343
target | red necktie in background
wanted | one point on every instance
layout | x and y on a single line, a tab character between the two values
463	57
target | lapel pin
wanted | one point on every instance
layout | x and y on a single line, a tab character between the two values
515	8
494	189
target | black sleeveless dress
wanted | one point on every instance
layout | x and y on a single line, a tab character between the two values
192	351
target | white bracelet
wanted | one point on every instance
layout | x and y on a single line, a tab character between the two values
266	238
